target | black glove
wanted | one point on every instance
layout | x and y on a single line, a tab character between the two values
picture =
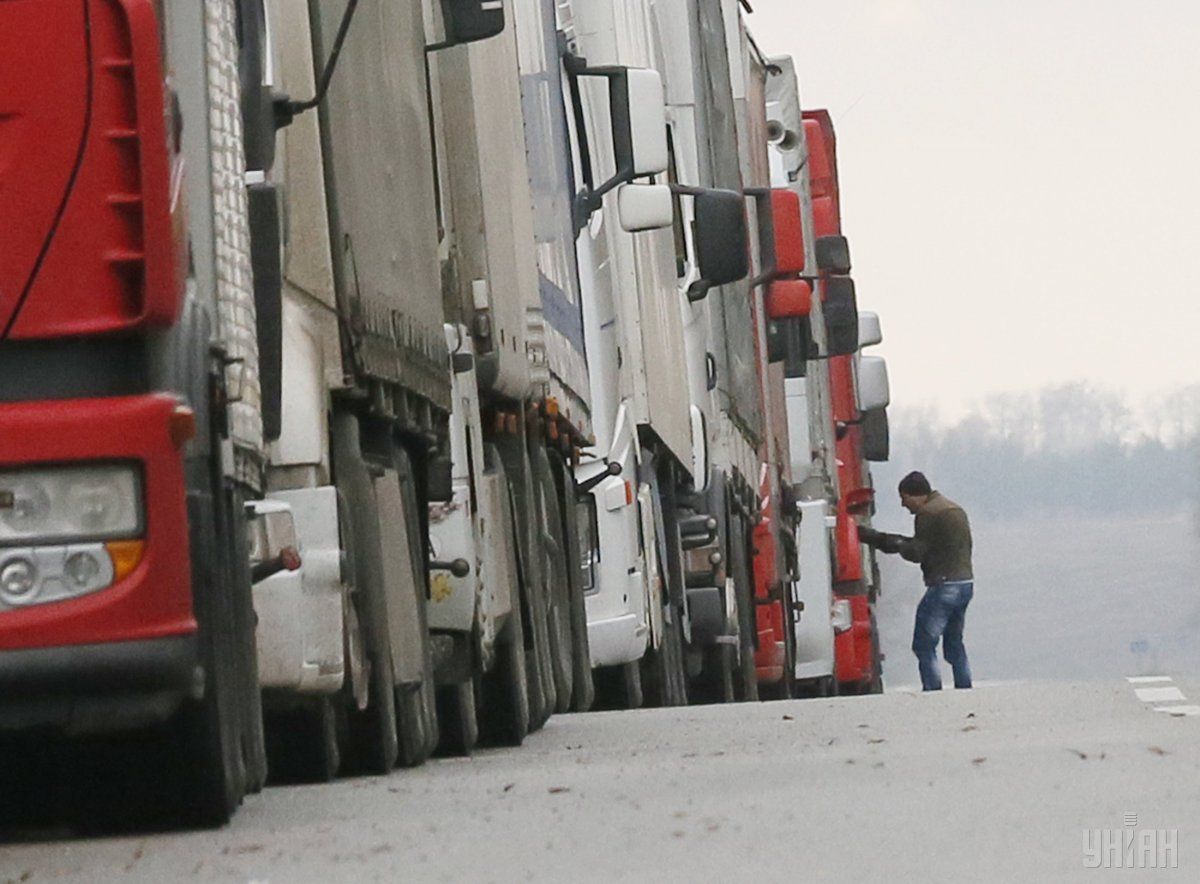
888	543
869	536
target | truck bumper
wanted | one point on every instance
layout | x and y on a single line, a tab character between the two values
814	669
617	640
300	613
99	687
852	648
140	630
770	659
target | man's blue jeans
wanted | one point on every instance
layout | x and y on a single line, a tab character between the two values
941	615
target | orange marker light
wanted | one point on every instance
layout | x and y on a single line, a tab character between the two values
126	555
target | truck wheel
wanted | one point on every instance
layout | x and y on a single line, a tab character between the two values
555	575
619	687
254	740
715	682
664	680
504	699
205	757
583	693
542	695
522	496
373	744
459	726
191	771
302	742
416	705
746	678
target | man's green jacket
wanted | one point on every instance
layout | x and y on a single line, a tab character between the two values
941	541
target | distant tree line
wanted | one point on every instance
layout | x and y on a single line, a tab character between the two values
1069	447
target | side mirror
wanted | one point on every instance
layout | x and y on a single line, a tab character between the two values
788	230
258	103
638	112
263	204
841	316
874	392
833	255
640	120
789	299
869	331
722	239
468	21
645	207
875	436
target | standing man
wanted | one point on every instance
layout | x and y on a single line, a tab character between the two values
941	544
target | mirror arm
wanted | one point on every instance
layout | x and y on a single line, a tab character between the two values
612	468
286	110
589	201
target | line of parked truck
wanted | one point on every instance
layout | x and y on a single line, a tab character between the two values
379	377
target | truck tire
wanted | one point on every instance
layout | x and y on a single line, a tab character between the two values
663	676
745	684
555	576
504	700
458	722
416	705
204	757
538	666
302	742
190	771
373	742
583	693
618	687
714	684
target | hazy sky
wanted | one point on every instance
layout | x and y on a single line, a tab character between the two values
1021	184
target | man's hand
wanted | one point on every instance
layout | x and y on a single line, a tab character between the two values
887	543
869	536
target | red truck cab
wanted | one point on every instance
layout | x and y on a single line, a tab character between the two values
856	649
124	586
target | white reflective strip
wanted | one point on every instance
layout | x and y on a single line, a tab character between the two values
1159	695
1147	679
1178	710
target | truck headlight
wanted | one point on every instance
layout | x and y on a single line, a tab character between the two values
82	568
17	579
70	503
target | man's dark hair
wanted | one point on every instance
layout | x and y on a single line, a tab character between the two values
915	483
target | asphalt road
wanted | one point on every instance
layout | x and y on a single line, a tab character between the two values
1004	782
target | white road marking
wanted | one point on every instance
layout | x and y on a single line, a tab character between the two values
1159	695
1147	679
1178	710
